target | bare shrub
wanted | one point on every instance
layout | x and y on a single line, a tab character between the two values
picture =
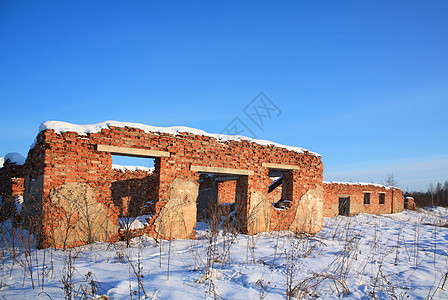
68	273
130	212
20	245
309	285
264	286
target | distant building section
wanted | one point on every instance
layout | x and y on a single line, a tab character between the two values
409	203
348	199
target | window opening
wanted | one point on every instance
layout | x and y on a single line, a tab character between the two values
344	206
131	163
382	198
366	198
216	197
281	188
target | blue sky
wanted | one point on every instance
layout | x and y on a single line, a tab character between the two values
363	83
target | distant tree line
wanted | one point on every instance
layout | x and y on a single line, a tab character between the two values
436	195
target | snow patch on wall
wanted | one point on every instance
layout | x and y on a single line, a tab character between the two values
59	126
361	183
15	157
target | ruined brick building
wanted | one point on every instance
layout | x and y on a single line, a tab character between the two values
73	196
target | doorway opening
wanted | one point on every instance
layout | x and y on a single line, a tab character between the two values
222	201
217	194
344	206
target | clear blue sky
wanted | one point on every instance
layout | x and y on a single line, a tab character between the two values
364	83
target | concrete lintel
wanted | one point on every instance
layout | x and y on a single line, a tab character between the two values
279	166
219	170
127	151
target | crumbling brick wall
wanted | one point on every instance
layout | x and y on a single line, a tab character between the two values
11	178
409	203
67	159
61	169
11	188
226	191
393	198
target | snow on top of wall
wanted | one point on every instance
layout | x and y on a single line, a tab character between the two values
2	160
15	157
361	183
132	168
59	126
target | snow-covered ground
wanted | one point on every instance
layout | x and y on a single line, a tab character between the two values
366	256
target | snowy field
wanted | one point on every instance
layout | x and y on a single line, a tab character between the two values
400	256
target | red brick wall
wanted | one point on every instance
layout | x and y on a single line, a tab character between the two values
394	200
17	186
409	203
226	191
69	157
295	184
11	187
11	179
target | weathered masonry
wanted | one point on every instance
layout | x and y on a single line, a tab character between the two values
69	178
73	196
11	186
